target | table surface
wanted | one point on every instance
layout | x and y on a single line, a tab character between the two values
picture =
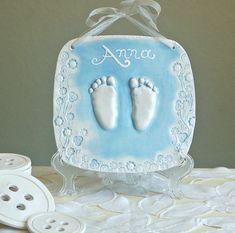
208	204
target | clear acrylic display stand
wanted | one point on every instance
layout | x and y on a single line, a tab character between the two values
166	181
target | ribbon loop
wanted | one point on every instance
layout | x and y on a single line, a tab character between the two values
107	12
148	10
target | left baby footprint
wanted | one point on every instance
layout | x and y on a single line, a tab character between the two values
104	101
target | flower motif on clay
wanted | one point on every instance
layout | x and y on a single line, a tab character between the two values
177	67
63	91
73	63
78	140
174	130
60	101
70	151
113	165
131	166
67	132
182	94
188	77
73	97
84	132
191	121
59	121
60	78
164	161
94	164
70	116
64	56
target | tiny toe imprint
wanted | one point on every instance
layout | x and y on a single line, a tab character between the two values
133	83
98	81
94	85
142	81
103	80
111	81
104	101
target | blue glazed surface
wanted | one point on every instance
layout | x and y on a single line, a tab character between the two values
125	139
166	69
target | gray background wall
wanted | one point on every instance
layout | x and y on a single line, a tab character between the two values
32	33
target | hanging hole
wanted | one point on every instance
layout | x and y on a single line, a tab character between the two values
10	160
28	197
8	164
51	220
64	223
5	197
47	227
21	207
60	229
173	47
13	188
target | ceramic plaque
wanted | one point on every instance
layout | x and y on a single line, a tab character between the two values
123	104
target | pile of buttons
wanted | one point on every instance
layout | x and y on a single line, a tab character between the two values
25	202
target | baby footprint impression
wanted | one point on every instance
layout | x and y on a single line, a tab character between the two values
104	101
144	98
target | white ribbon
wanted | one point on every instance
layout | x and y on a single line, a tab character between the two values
148	10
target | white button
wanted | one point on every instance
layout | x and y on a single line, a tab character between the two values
54	222
14	162
28	171
22	195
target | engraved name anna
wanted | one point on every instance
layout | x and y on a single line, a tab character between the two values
123	56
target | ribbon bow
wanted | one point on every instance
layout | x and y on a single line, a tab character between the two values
148	10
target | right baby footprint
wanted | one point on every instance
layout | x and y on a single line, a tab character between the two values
144	98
